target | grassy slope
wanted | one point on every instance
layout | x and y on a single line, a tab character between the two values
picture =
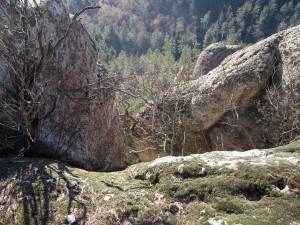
41	191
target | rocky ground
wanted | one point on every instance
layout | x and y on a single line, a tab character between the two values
252	187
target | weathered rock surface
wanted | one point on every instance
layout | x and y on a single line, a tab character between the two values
273	116
84	126
211	57
230	85
252	187
77	118
250	100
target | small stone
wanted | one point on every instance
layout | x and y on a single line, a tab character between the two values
159	199
72	184
202	212
286	190
181	169
275	188
214	221
70	218
294	223
203	171
108	197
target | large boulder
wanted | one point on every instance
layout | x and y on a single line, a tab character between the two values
272	117
232	84
211	57
250	100
82	123
77	118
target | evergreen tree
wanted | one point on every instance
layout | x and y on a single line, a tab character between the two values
157	41
112	39
169	45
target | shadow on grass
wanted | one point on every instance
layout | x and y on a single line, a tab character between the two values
38	192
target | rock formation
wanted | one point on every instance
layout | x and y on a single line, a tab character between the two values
77	119
211	57
249	100
272	117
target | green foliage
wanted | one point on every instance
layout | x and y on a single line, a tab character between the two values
157	41
229	206
169	45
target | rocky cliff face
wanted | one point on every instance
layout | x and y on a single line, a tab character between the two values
249	100
77	118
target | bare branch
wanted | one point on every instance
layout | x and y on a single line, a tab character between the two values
85	9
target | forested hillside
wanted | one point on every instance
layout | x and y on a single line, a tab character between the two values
135	26
162	38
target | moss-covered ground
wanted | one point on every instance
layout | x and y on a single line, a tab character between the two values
42	191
